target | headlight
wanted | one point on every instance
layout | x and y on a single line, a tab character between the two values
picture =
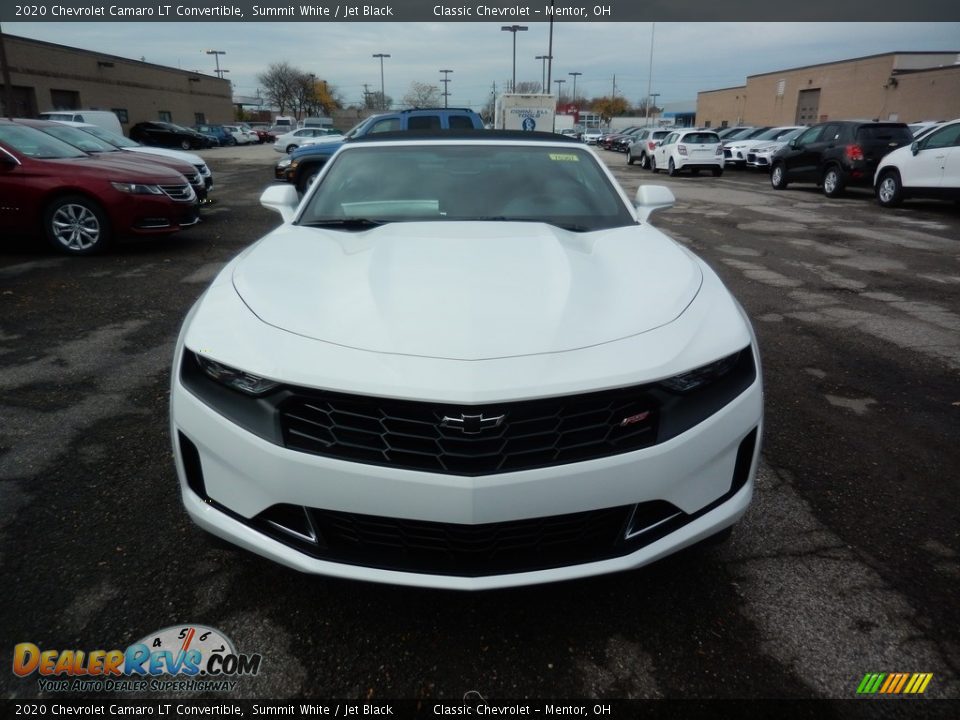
284	163
137	188
232	378
702	375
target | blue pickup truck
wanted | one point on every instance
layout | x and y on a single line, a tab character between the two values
304	163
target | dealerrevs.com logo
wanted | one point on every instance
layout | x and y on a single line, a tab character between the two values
177	658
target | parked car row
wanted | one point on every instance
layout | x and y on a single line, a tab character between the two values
164	134
80	192
896	160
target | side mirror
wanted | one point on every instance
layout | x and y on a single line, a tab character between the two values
915	147
283	199
650	198
794	144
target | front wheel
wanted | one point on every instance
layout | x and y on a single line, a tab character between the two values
629	158
778	177
645	161
671	168
291	148
231	141
76	225
307	178
653	166
890	189
184	144
832	182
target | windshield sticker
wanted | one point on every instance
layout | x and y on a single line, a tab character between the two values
564	157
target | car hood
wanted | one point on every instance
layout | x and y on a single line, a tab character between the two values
115	170
186	157
467	291
321	144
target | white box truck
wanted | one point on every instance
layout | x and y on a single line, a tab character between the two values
516	111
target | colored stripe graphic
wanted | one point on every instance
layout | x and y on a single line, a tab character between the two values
894	683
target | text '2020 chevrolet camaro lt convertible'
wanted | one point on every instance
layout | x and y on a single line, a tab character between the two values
466	361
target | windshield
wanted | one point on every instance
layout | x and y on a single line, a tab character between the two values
773	134
562	186
111	137
36	144
353	131
78	138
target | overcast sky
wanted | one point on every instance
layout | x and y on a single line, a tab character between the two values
687	56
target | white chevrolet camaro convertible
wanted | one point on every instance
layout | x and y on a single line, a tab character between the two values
466	361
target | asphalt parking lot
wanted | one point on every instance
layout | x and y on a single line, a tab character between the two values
847	562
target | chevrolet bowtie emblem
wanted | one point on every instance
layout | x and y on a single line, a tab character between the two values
472	424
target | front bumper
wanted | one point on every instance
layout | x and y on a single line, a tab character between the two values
706	474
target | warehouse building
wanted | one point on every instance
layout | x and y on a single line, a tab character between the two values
896	86
46	76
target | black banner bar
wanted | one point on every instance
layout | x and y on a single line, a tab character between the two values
475	11
855	709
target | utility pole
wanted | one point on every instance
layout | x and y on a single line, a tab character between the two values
383	94
653	27
613	92
445	82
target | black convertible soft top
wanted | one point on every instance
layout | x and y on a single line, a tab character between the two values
472	134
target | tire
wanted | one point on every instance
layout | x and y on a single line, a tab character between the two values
291	148
717	172
76	225
184	144
695	171
630	157
778	177
653	165
645	161
832	182
890	189
672	169
231	141
307	177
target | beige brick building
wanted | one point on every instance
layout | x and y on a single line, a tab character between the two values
46	76
904	86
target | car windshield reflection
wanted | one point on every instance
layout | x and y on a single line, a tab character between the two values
368	186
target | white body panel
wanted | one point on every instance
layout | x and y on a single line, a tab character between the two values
465	313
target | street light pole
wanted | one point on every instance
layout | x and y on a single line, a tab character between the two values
653	27
559	82
543	73
445	82
575	74
216	56
383	94
514	29
653	103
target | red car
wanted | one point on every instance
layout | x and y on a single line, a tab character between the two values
101	148
82	203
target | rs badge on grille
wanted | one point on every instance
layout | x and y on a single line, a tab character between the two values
634	419
472	424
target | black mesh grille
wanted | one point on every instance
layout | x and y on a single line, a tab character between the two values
466	550
470	440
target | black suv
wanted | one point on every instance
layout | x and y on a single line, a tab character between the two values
164	134
836	154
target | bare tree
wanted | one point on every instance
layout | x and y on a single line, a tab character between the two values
529	87
279	85
422	95
373	100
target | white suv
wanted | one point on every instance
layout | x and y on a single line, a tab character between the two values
929	167
694	150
